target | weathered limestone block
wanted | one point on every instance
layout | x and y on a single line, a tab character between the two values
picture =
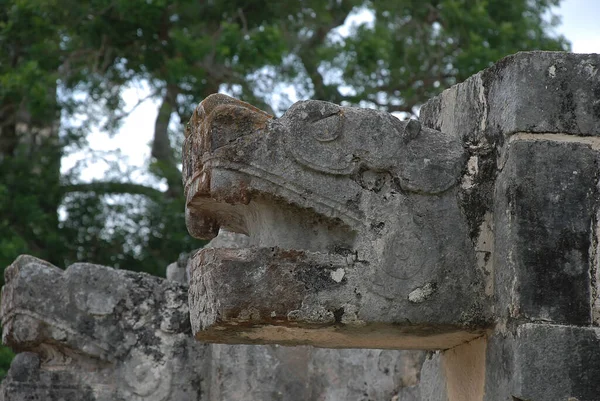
536	362
545	219
530	124
94	333
534	92
271	372
356	234
179	271
544	362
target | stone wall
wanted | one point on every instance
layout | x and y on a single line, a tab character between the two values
473	231
531	124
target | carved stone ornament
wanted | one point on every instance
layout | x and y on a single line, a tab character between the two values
353	225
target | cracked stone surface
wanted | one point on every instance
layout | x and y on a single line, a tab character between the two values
356	238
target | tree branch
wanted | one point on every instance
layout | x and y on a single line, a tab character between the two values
161	146
165	164
125	114
307	53
114	188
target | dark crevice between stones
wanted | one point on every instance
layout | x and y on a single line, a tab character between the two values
476	201
338	314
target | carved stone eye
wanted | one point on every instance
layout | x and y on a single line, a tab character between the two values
323	120
371	180
315	110
317	119
315	135
327	129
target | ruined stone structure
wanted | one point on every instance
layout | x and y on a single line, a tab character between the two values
98	334
472	233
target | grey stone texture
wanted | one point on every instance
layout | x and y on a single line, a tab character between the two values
546	202
272	372
537	92
532	176
356	236
530	127
94	333
474	232
544	362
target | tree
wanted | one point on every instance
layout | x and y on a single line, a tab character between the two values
415	49
69	61
96	49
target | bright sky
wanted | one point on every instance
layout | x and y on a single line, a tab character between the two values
580	25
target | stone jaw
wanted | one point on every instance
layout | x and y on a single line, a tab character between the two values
352	190
270	295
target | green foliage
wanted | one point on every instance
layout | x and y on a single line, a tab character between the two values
28	199
415	49
6	356
28	224
126	231
70	60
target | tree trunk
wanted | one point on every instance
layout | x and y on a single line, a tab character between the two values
164	158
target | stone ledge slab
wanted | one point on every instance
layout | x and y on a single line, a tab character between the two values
270	295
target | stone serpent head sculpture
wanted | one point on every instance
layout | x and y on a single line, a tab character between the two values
377	194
